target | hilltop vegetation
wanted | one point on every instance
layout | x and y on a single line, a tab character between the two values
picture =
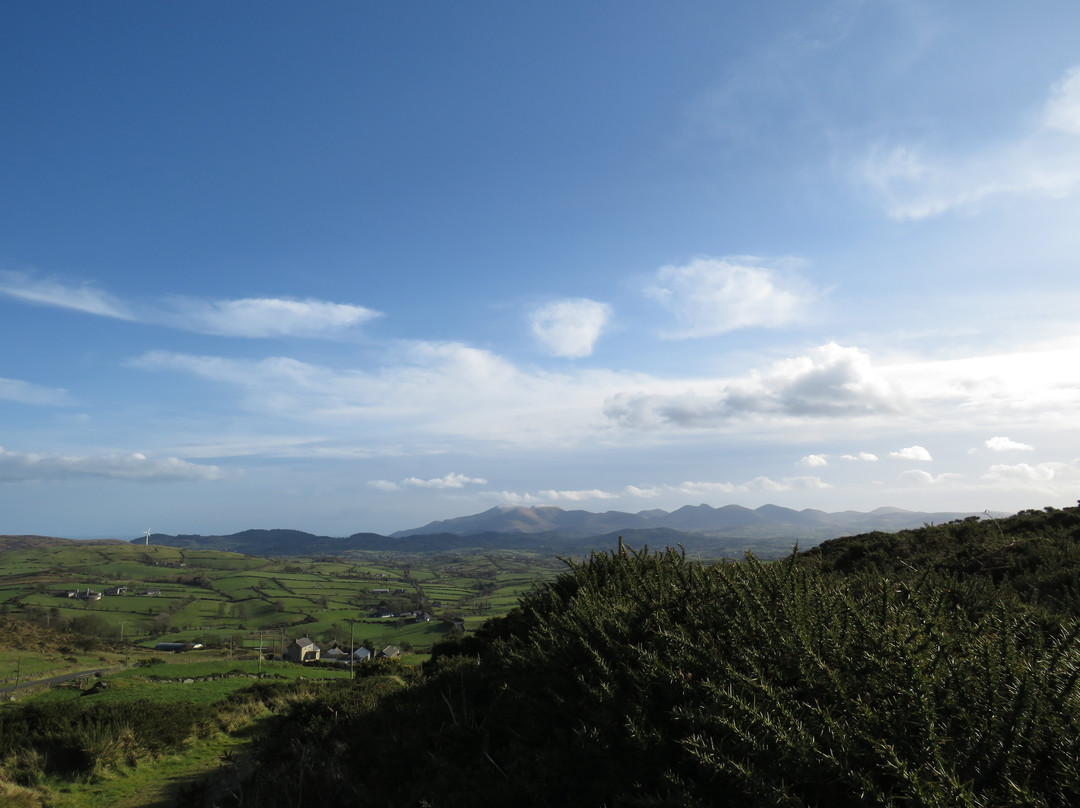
934	667
939	667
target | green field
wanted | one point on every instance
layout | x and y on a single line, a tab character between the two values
228	600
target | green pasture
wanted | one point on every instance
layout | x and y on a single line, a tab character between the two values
124	691
242	595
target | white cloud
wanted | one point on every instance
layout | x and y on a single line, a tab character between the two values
510	497
814	460
1001	444
27	393
570	328
709	488
1062	111
712	296
426	398
439	391
1045	163
265	317
48	292
788	483
450	480
833	381
866	457
926	478
912	453
384	485
1064	473
576	496
648	492
246	317
25	466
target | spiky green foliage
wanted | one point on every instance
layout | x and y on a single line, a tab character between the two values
641	678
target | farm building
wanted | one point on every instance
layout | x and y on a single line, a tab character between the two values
301	650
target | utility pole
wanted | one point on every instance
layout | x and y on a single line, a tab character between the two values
122	631
18	672
260	652
352	650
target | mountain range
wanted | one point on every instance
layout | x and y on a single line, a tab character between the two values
768	521
727	531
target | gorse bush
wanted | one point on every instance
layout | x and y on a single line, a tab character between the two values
641	678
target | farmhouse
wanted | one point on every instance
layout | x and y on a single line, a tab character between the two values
301	650
361	654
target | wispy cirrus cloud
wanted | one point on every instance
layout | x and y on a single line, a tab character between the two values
711	296
255	317
44	466
28	393
570	328
85	297
914	184
265	317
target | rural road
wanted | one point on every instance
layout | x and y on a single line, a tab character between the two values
53	680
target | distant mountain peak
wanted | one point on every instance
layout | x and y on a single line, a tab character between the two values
732	519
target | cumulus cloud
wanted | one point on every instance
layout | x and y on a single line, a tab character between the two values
710	488
39	466
814	460
427	397
576	496
712	296
1002	444
50	292
510	497
450	480
1067	473
245	317
570	328
833	381
789	483
27	393
1044	163
926	478
865	457
912	453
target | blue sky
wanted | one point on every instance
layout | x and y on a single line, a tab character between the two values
356	266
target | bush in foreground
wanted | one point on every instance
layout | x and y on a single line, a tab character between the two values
642	678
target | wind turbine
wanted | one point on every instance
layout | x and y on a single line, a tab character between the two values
148	537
